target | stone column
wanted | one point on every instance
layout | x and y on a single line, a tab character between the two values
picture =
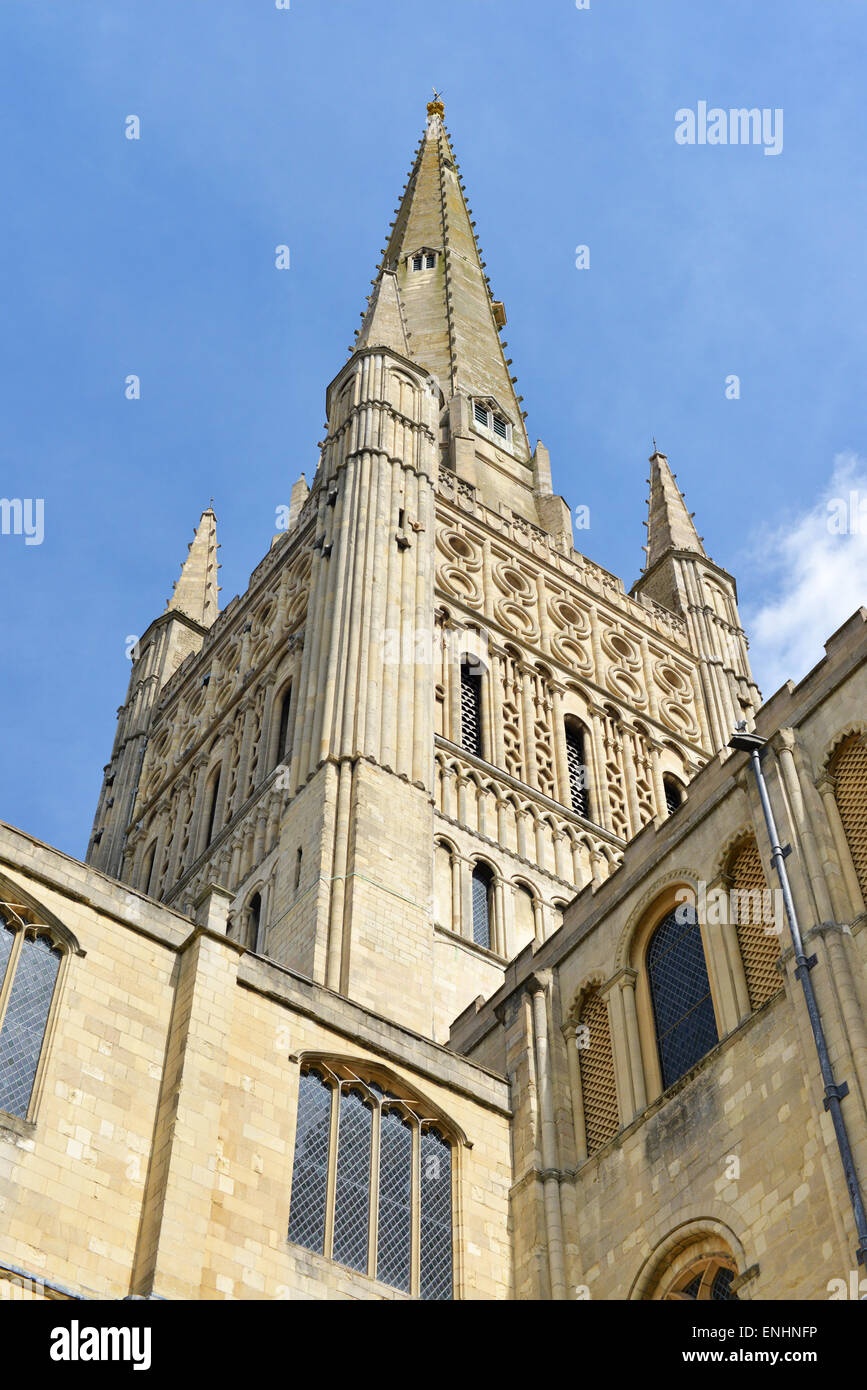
784	744
548	1136
626	980
576	1092
561	761
626	1103
826	790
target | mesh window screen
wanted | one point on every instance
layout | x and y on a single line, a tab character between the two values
482	907
24	1023
680	990
760	950
577	770
394	1236
471	710
850	771
310	1169
352	1197
436	1216
596	1063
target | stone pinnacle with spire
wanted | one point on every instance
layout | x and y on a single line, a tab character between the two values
196	592
669	524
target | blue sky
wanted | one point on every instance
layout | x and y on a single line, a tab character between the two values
262	126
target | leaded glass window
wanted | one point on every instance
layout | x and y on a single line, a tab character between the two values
707	1280
436	1216
577	770
310	1169
352	1199
680	990
482	887
388	1211
471	710
394	1242
29	966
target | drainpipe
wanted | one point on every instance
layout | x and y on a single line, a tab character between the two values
753	744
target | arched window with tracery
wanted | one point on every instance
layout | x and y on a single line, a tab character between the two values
708	1280
596	1064
372	1180
482	899
30	959
751	903
849	770
683	1011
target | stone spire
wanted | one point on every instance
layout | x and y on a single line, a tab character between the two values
384	324
669	524
444	312
196	591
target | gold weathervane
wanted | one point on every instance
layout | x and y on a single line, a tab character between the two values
435	107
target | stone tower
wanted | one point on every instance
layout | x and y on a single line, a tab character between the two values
429	721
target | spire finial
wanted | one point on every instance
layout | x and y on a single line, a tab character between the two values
435	107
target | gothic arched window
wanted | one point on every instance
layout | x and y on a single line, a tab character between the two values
482	904
471	708
706	1281
578	774
680	992
386	1210
29	965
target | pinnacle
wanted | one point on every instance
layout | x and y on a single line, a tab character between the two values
670	525
196	592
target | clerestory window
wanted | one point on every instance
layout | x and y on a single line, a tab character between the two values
372	1182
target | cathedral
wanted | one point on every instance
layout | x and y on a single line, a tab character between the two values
428	943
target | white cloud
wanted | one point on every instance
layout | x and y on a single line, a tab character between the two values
814	573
